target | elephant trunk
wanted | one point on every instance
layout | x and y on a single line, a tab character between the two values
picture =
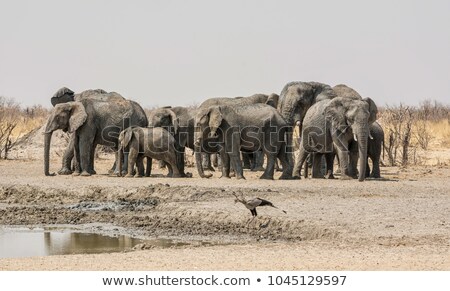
198	162
47	140
362	136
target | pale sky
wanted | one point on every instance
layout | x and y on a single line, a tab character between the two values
182	52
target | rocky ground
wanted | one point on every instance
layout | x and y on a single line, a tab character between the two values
398	223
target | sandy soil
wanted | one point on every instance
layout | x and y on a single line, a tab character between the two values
399	223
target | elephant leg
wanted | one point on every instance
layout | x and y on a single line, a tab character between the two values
77	157
214	160
180	154
225	164
139	166
66	168
375	168
258	161
246	157
329	158
175	172
113	169
86	143
132	158
353	160
338	170
343	161
287	170
367	168
270	167
299	161
236	163
316	166
148	169
207	162
91	160
307	164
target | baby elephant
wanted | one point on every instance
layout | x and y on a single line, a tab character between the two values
153	143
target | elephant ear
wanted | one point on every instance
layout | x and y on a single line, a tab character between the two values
202	116
78	116
373	110
215	118
272	100
174	120
321	91
125	137
335	112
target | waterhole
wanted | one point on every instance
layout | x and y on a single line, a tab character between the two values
46	241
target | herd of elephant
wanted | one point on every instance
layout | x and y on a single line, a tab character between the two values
331	122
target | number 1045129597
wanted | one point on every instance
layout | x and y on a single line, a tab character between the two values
306	280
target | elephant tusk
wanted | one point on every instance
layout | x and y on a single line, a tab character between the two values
354	137
370	136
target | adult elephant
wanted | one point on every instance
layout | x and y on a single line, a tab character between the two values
95	120
295	100
65	95
342	123
179	121
271	100
244	127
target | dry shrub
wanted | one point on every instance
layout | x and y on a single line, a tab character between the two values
16	122
411	131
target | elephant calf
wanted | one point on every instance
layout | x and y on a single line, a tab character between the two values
153	143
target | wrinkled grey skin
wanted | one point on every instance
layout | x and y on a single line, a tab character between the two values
153	143
342	123
65	95
271	100
94	120
179	121
253	161
374	150
295	100
244	127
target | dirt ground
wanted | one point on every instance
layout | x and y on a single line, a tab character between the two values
401	222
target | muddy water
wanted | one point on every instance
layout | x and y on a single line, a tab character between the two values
25	242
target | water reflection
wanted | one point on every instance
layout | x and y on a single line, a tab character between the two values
42	242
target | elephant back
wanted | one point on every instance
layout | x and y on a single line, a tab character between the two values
343	90
91	93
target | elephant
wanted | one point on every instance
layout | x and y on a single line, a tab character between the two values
244	127
65	95
342	123
295	100
94	120
374	148
271	100
179	121
153	143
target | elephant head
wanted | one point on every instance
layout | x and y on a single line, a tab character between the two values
345	91
272	100
66	116
297	97
165	118
63	95
356	116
